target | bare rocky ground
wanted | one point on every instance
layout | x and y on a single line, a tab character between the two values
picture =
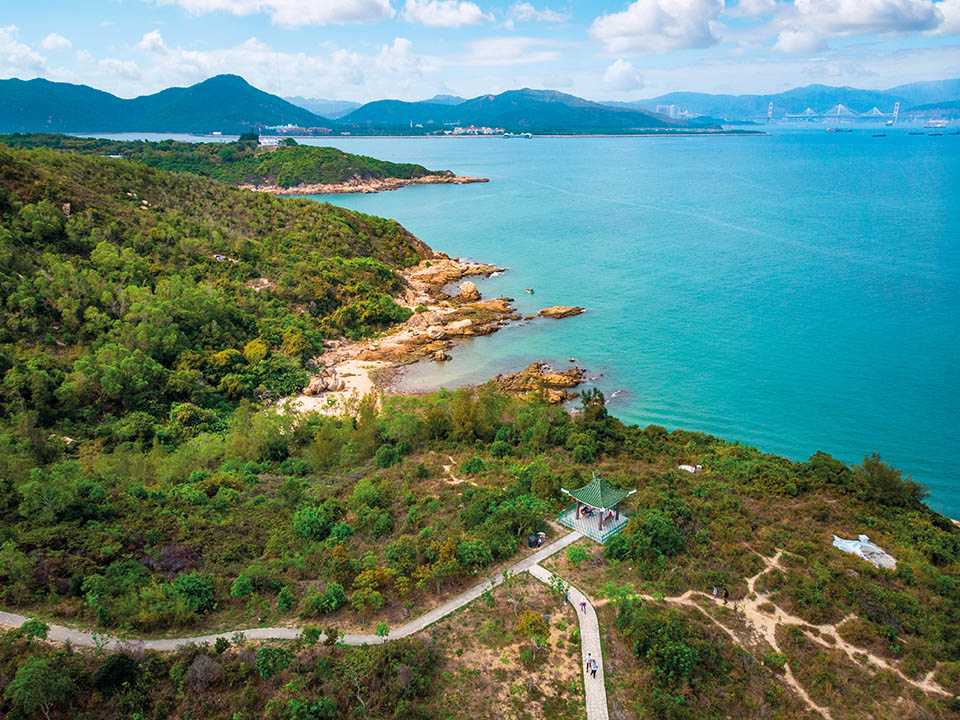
350	370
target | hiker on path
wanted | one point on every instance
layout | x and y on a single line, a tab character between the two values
593	669
583	605
726	596
715	592
589	661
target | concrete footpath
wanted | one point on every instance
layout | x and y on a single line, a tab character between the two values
595	688
596	695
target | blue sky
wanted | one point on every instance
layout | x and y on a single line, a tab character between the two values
411	49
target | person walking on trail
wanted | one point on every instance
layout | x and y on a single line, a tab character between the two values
726	596
593	669
583	605
715	592
589	661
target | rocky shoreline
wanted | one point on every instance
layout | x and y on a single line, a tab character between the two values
365	185
348	370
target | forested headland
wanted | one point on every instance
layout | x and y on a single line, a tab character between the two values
148	486
241	162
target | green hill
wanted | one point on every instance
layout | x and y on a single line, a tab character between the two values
529	110
237	163
128	288
225	103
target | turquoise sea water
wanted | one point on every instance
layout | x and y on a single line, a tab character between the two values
797	292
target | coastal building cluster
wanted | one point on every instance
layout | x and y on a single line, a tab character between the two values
473	130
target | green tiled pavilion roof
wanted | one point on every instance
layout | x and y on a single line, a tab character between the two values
598	494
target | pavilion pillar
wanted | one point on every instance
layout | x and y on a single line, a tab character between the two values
602	511
617	507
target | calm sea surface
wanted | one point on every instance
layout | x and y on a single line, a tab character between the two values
797	292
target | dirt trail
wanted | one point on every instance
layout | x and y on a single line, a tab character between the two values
764	626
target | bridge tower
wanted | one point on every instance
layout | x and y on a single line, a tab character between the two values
896	111
770	112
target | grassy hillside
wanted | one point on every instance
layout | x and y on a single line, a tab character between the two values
126	289
237	163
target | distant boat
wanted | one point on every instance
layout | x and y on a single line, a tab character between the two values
955	132
935	134
529	290
525	136
879	135
916	133
839	130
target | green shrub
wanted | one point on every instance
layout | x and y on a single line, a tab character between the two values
35	629
242	587
119	669
197	591
311	523
285	599
272	660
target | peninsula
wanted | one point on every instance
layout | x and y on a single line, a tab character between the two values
283	169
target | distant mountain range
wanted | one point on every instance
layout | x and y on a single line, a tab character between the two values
533	110
228	104
225	103
818	98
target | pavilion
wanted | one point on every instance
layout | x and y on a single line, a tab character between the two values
595	511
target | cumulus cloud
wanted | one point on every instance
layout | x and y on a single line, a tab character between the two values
799	41
659	26
622	75
855	17
296	13
152	42
17	59
950	9
56	42
444	13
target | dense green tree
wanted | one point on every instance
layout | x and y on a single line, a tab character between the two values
37	685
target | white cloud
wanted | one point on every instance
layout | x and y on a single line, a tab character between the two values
659	26
126	69
444	13
296	13
500	51
525	12
16	58
950	9
56	42
152	42
857	17
622	75
84	56
799	42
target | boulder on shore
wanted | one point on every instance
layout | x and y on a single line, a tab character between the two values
561	311
539	377
469	292
326	380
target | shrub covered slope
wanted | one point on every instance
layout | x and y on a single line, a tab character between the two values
239	163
